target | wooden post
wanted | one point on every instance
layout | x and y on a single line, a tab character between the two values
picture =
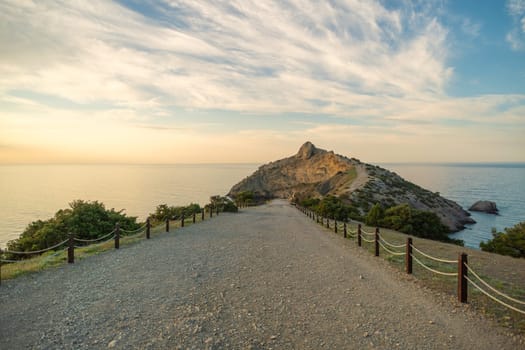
148	228
211	211
359	235
117	237
335	226
167	224
376	241
182	220
344	229
70	249
327	222
462	281
202	214
193	217
408	256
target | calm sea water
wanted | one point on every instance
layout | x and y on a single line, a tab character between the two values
31	192
468	183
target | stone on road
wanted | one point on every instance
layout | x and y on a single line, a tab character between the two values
264	278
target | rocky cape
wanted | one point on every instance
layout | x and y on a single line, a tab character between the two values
314	172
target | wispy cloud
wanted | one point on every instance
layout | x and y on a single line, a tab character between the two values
354	60
516	36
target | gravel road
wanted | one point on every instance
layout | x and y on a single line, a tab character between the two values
264	278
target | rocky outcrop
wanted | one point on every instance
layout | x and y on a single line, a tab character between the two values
485	207
314	172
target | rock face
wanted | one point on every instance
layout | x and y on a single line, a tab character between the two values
314	172
485	207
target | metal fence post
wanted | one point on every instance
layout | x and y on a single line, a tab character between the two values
344	229
167	224
335	226
408	256
148	228
193	217
70	249
327	222
202	214
359	235
462	281
376	241
117	237
182	221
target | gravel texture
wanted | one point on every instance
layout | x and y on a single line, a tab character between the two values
264	278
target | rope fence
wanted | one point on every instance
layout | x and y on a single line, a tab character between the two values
411	254
73	242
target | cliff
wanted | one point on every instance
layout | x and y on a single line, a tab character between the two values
314	172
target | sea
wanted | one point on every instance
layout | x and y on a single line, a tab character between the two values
32	192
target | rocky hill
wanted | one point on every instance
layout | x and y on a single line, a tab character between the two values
314	172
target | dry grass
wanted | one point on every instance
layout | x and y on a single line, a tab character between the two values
504	273
53	259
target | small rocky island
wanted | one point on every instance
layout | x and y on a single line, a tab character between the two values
485	207
314	172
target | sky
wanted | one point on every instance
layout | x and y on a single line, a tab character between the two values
191	81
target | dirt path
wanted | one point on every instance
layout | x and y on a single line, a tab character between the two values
266	278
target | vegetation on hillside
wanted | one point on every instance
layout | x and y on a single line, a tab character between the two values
511	242
222	203
163	212
411	221
85	219
332	207
401	217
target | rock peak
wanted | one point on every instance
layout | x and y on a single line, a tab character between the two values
307	150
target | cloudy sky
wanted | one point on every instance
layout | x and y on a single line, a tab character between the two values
181	81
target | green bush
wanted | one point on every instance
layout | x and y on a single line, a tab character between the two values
85	219
332	207
404	218
223	203
511	242
163	212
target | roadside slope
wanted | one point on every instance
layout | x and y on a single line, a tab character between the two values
266	277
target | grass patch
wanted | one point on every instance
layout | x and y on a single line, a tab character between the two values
503	273
53	259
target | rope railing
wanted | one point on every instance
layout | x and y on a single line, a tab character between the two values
390	251
493	297
367	233
492	288
34	251
431	269
95	239
462	262
434	258
97	242
136	230
116	234
368	240
391	244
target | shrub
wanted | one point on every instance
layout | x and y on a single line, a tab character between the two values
511	242
86	219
